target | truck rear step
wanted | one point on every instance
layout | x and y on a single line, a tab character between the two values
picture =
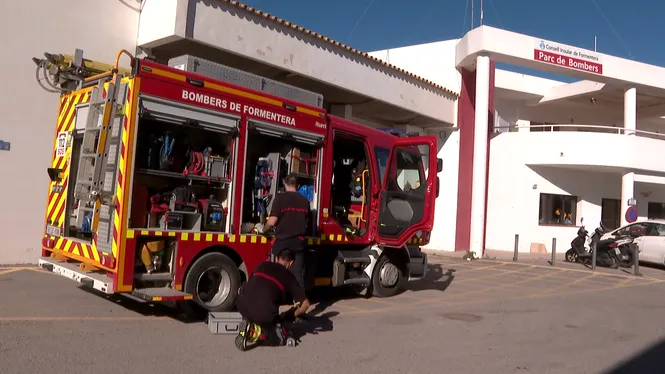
160	294
96	280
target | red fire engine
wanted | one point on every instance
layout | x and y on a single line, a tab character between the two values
161	174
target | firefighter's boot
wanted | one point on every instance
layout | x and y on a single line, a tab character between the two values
248	333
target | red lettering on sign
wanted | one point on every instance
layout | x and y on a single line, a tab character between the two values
569	62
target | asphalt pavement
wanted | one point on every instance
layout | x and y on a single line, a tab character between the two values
467	317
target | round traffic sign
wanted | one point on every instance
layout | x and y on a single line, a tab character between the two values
631	214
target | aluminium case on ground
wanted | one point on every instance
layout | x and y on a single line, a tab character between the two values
221	323
238	77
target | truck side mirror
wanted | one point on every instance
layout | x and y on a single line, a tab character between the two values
439	165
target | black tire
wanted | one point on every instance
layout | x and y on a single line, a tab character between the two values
210	271
571	256
628	262
381	288
615	261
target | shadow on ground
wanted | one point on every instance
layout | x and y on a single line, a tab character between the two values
437	278
312	325
650	360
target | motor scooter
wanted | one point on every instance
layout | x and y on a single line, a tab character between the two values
608	253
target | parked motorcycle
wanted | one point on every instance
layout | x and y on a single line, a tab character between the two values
610	253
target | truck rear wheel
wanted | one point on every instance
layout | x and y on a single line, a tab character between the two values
387	278
214	281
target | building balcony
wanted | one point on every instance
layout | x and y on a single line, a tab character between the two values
581	146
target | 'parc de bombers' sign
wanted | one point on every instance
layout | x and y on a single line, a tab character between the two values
566	56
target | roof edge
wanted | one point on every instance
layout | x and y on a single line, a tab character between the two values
268	16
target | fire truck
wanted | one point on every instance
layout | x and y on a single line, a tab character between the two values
162	172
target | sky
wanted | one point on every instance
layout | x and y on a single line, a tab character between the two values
630	29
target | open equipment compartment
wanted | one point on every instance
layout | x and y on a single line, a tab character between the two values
181	179
273	152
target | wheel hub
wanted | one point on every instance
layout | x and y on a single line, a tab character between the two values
389	275
213	286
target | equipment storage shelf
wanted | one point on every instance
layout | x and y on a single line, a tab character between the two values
181	180
171	174
273	152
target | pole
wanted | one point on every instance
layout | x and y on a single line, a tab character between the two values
636	260
517	247
472	13
553	251
481	12
595	44
593	255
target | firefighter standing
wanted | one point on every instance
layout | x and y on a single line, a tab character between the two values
290	215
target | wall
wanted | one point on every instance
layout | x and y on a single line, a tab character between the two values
445	211
100	28
225	26
518	49
434	61
584	149
515	188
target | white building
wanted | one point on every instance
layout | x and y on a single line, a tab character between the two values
29	28
427	88
550	152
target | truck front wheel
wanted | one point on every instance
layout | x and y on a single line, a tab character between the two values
387	278
214	281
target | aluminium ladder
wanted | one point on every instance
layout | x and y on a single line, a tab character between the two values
98	161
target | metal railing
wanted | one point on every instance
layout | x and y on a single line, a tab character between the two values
582	128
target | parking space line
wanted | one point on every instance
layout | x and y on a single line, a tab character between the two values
589	290
82	318
493	275
479	268
10	270
567	284
581	270
42	271
482	300
485	290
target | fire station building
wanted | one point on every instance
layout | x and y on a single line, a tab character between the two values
522	154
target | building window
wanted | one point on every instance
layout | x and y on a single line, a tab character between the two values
656	210
557	209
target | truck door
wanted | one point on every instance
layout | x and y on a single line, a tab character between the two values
408	190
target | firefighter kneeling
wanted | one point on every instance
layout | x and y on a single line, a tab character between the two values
260	298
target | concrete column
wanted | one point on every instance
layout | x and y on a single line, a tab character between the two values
344	111
630	111
479	174
627	191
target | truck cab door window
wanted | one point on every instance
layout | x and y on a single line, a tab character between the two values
350	184
408	191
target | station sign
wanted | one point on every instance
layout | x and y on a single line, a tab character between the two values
567	56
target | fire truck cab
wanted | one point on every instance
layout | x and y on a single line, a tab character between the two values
162	174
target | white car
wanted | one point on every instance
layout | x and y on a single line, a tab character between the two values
651	241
